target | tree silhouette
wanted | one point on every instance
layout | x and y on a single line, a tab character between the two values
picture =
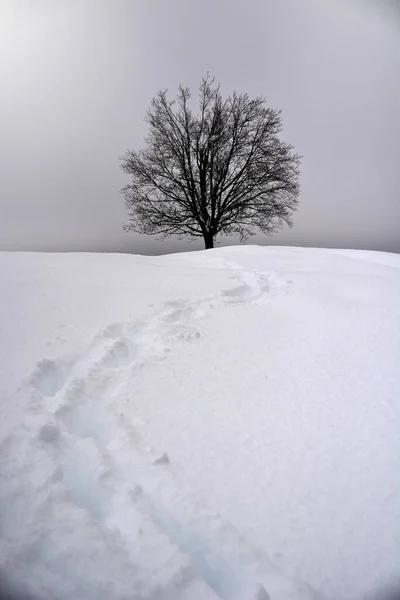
221	171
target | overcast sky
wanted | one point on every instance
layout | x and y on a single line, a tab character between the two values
78	75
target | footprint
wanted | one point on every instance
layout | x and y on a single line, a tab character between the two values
252	286
122	352
215	564
82	477
50	375
112	331
86	421
239	293
49	433
179	314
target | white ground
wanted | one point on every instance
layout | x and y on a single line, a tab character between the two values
219	424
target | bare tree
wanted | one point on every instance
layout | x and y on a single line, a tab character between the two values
223	170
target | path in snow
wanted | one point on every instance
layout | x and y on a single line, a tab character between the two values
94	513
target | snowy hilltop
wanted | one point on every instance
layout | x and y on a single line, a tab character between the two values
215	424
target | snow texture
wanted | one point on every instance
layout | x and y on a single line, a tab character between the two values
219	424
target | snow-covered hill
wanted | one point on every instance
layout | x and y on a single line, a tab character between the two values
219	424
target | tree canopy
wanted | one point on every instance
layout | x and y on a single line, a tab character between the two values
224	170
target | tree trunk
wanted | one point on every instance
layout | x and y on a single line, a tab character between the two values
208	240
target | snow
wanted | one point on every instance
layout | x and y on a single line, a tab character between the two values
215	424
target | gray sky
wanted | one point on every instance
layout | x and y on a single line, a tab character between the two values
78	75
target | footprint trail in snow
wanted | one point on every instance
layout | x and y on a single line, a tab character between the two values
112	517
